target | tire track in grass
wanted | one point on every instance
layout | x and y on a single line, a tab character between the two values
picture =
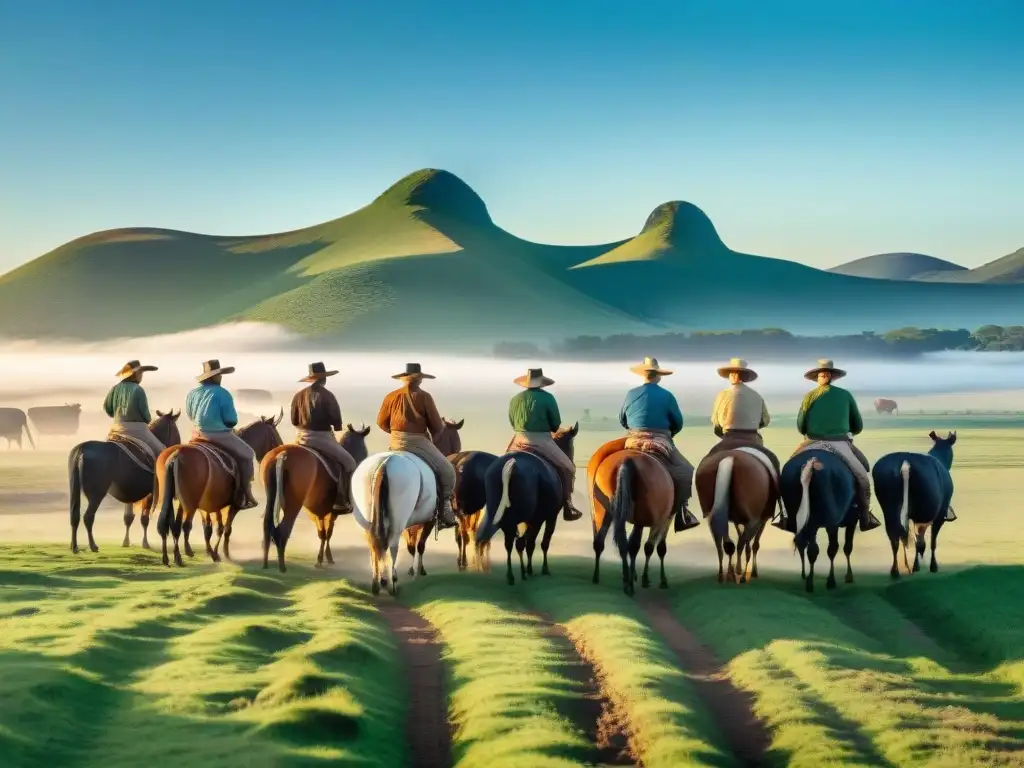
595	710
732	708
428	731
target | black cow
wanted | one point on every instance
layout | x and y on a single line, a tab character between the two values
12	422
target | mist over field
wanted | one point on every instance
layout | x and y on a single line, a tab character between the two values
268	357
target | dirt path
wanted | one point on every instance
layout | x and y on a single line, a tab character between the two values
732	709
427	730
595	712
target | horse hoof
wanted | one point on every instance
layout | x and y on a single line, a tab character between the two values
663	585
742	580
645	583
145	545
830	584
545	572
74	550
375	588
934	568
849	578
810	586
511	580
282	568
595	580
318	564
412	571
125	543
166	561
422	572
93	548
894	573
330	561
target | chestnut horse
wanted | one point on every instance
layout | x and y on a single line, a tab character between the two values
630	487
449	443
295	479
187	473
736	487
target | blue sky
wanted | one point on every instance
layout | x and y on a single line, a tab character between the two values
815	131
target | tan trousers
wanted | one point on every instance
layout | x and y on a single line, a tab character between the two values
238	448
140	432
854	458
681	470
544	444
734	439
326	443
421	445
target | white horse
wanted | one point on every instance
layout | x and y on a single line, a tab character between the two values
391	491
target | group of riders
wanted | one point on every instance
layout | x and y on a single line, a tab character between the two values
650	414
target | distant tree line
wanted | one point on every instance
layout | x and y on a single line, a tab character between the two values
772	342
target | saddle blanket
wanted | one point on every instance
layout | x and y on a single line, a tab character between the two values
819	445
136	450
222	457
330	467
760	456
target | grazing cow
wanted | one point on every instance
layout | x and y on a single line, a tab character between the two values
820	487
886	406
449	443
915	488
56	419
12	422
524	491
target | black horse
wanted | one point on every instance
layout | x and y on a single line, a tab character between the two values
100	467
470	498
819	486
915	488
524	492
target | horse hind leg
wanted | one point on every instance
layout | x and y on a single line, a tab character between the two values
742	546
221	527
421	546
754	550
331	517
832	551
509	544
520	549
207	520
730	550
662	550
645	580
635	539
918	547
227	532
411	537
144	517
186	532
933	567
321	534
393	586
848	550
129	518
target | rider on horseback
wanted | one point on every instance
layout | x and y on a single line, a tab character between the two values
652	416
127	405
829	414
315	412
407	414
740	412
211	409
533	414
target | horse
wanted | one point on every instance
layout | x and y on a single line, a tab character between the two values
190	473
391	491
100	467
917	488
820	487
523	492
737	487
630	487
295	478
449	443
470	500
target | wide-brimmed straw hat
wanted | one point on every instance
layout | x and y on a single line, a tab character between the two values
534	379
738	365
212	368
650	365
412	371
132	367
825	366
317	371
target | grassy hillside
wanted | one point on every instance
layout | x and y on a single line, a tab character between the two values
425	264
898	266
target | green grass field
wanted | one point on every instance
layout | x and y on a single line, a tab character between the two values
111	659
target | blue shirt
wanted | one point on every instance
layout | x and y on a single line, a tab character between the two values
211	408
650	406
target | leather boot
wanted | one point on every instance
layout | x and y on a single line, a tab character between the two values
343	500
868	521
950	514
685	519
569	511
245	497
445	515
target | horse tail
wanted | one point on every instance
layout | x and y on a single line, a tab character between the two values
163	522
506	494
719	520
75	461
379	517
28	434
803	513
622	502
275	481
905	506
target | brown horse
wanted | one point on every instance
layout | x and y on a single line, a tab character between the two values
736	487
449	443
188	473
294	478
630	487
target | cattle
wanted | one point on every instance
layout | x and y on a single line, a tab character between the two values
56	419
12	422
886	406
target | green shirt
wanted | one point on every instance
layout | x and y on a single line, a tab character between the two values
126	401
534	410
829	413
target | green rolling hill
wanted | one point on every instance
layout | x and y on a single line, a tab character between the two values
425	264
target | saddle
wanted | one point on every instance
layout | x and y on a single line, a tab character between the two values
134	449
330	466
218	454
523	447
